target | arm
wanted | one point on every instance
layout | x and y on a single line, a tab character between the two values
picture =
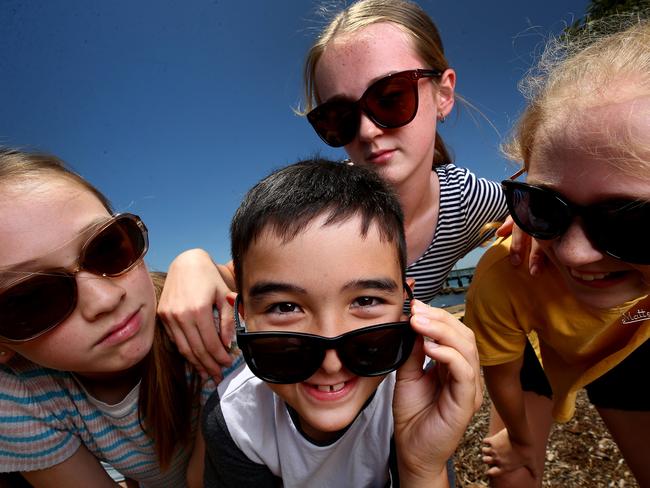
194	285
80	469
433	407
511	447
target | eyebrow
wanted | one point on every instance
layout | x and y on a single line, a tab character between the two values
263	288
32	262
382	284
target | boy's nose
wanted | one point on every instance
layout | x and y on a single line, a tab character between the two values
331	362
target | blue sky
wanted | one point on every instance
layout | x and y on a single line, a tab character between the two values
174	109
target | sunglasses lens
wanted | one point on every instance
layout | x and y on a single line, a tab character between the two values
609	227
392	102
36	305
536	211
378	351
335	122
116	248
279	359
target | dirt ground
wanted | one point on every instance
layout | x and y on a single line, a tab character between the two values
580	453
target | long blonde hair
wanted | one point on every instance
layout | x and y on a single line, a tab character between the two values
408	17
167	396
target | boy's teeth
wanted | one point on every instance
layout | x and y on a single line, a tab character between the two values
328	388
588	277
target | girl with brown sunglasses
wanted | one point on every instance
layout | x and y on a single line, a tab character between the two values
377	83
88	373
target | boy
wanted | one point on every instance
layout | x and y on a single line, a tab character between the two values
318	251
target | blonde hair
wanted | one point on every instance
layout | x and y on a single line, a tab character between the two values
609	62
405	15
169	391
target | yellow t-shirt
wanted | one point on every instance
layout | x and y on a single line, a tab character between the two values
577	343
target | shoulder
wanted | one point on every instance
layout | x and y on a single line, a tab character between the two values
497	292
233	422
498	283
243	406
29	385
451	175
37	416
480	196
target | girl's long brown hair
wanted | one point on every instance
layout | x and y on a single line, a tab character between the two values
169	389
168	393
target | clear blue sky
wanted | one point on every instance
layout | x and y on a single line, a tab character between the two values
174	109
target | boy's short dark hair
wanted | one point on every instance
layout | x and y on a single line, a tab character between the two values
290	198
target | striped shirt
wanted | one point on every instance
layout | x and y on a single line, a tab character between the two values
467	203
46	415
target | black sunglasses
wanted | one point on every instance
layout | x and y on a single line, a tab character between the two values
390	102
546	214
293	357
35	304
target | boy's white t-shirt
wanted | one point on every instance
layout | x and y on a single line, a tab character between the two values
269	444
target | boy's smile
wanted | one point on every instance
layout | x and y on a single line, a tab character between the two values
327	280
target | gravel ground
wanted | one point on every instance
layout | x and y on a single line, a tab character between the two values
581	453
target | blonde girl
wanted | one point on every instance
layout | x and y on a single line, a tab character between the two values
377	83
585	143
87	372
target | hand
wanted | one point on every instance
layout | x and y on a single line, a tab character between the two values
503	455
521	244
193	287
433	407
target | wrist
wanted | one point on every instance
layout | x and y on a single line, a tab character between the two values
424	478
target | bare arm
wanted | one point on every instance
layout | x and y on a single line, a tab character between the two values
194	286
80	469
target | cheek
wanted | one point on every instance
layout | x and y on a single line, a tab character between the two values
354	150
286	392
139	286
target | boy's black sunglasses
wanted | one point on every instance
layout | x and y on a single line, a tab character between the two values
293	357
390	102
35	304
618	227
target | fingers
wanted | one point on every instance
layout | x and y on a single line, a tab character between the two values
192	287
537	259
441	330
196	338
519	246
506	228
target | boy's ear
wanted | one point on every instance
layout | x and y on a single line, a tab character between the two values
6	355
